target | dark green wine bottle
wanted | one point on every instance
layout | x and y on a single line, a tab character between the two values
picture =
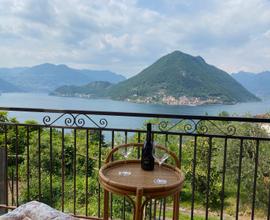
147	160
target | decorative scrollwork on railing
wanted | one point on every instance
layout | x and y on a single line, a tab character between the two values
201	128
192	126
229	130
75	120
188	125
163	125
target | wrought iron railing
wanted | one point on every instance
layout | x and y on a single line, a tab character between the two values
56	158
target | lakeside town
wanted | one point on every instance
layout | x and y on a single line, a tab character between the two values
170	100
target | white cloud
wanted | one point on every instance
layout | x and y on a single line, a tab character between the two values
125	36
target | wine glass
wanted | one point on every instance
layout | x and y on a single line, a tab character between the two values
160	156
125	152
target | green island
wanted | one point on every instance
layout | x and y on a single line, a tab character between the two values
175	79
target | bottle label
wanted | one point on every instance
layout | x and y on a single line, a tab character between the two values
146	162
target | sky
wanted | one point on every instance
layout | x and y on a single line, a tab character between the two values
125	36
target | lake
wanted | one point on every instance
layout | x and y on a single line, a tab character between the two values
40	100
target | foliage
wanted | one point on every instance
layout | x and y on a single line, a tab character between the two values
92	89
50	141
176	74
179	74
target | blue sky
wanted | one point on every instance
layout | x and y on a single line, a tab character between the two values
126	36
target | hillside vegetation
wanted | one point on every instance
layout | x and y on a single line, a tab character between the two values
176	78
179	75
90	90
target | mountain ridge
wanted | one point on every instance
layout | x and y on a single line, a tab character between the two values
8	87
257	83
179	78
47	77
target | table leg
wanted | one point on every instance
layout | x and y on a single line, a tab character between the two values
106	205
138	209
176	206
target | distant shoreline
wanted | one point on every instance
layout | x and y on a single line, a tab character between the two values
89	97
44	101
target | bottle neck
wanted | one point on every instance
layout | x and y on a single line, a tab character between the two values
149	135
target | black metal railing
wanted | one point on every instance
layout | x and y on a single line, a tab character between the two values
55	159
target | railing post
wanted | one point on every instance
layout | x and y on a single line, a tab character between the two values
3	181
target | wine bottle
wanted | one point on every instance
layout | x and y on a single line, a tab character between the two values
147	160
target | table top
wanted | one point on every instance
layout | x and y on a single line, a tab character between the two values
139	178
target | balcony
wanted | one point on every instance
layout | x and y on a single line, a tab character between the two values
56	157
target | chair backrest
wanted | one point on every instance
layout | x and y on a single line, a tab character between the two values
139	146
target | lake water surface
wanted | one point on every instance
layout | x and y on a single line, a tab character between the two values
31	100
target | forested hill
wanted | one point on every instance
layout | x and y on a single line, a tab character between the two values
91	90
176	78
179	78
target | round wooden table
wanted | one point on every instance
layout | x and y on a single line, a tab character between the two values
140	184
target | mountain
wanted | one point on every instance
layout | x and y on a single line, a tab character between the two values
90	90
47	77
176	78
13	70
180	78
257	83
8	87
